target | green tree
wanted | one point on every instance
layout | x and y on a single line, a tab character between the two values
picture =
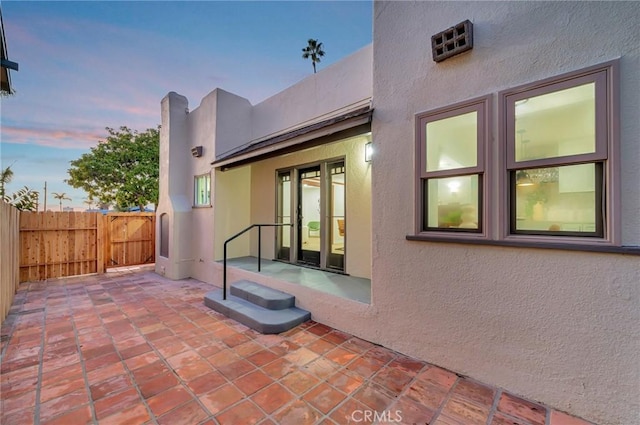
5	177
24	199
61	197
313	51
122	170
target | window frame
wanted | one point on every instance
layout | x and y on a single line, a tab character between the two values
207	177
483	107
606	153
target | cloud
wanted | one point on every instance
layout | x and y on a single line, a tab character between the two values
57	138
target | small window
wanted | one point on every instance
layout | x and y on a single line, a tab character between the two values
202	191
450	150
557	145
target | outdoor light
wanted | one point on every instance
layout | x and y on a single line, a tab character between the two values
368	151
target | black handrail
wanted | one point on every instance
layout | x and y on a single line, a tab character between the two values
259	226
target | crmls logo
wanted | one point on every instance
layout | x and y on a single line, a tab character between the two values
373	416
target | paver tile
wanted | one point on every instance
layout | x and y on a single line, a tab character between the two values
523	409
168	400
297	413
221	398
134	347
245	413
272	397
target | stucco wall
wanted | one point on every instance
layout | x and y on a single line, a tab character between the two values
560	327
224	122
358	198
319	96
174	178
233	118
232	211
201	132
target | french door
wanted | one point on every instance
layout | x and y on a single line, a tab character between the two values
313	199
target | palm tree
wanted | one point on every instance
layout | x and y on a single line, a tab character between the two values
5	177
89	202
61	196
313	51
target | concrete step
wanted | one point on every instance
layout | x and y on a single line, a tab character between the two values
256	317
261	295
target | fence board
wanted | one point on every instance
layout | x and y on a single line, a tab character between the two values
9	256
60	244
131	239
50	247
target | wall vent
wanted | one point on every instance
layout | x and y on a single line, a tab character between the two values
452	41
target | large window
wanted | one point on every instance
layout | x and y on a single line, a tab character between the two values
202	191
553	177
557	144
451	147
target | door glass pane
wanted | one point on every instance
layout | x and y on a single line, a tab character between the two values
310	215
452	143
283	233
453	203
337	220
561	123
557	199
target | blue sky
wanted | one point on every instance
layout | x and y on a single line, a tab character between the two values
89	65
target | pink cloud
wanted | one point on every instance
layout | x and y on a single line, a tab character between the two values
57	138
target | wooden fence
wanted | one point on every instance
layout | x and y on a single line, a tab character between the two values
9	256
130	238
59	244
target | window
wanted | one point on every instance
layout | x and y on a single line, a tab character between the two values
558	146
202	191
555	168
450	158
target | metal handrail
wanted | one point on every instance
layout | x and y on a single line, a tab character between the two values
259	226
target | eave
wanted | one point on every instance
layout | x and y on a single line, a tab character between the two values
323	132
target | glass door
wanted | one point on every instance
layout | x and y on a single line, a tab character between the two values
283	233
336	216
309	227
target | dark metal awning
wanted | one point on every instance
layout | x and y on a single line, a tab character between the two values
330	130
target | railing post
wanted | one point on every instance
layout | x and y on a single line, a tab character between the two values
259	226
259	246
224	273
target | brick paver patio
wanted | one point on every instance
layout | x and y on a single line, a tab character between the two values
136	348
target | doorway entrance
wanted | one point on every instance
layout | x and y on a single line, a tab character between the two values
313	199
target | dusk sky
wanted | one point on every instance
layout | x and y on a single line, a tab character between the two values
89	65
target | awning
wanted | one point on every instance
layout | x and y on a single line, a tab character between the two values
327	131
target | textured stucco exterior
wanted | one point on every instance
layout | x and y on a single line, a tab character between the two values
358	198
560	327
224	123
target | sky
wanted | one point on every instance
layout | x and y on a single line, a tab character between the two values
85	66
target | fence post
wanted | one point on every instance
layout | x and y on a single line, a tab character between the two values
100	233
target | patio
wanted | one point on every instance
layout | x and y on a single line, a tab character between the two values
131	347
341	285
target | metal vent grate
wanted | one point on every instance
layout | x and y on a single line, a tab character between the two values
452	41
